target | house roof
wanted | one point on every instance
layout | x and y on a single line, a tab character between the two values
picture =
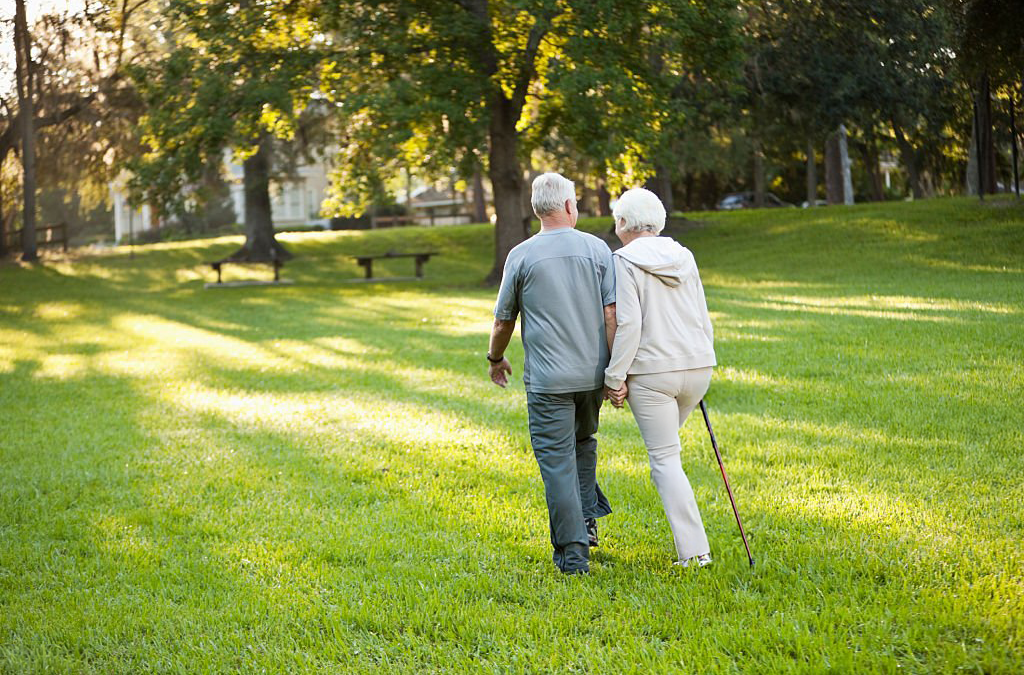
428	196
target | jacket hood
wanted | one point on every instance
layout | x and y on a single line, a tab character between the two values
662	257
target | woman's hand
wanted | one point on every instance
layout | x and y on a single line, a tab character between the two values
616	396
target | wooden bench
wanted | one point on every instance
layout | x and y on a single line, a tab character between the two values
389	221
275	263
366	261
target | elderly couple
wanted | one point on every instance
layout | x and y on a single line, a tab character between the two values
630	326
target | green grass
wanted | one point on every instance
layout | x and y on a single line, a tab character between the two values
320	478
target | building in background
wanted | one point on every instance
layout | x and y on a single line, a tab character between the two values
294	201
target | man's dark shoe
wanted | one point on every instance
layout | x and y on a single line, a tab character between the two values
592	531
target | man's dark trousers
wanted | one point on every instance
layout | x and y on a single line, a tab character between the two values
562	428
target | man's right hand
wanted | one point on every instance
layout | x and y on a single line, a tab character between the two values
500	371
616	396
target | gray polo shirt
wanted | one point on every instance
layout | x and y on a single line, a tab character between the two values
560	282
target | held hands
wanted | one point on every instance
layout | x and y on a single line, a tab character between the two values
499	372
616	396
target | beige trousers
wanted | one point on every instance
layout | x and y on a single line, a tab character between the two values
661	402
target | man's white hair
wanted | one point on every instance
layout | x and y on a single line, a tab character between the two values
550	192
639	210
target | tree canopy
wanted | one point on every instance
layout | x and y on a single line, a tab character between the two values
691	97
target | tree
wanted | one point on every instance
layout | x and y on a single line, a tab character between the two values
991	46
83	111
237	75
439	84
26	124
882	68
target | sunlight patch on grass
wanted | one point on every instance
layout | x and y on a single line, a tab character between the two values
726	334
347	346
752	377
967	267
897	302
188	339
91	268
343	354
9	356
58	311
405	424
61	366
203	273
842	432
116	536
823	306
717	278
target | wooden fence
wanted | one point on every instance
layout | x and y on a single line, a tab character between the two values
52	235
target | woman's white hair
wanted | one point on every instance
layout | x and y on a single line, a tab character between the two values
550	192
639	210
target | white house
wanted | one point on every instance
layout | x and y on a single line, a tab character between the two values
293	202
128	221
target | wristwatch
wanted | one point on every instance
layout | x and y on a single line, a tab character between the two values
494	360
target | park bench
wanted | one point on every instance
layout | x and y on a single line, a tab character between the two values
218	264
391	221
366	261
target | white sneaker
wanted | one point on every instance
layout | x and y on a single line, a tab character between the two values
702	560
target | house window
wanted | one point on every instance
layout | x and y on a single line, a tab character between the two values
287	202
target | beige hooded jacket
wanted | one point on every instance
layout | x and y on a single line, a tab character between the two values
662	316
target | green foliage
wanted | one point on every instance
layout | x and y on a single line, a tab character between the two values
992	40
406	78
884	68
320	478
631	79
233	71
416	82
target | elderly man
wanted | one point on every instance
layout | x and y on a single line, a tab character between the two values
562	281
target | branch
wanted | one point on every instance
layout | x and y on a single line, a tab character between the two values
529	70
8	136
487	56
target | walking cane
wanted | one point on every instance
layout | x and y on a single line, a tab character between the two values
714	444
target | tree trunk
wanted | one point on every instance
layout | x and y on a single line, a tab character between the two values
479	201
812	175
972	179
661	185
506	183
869	155
604	200
911	159
759	179
26	111
408	193
688	181
985	142
833	170
1013	145
260	244
709	190
844	156
3	218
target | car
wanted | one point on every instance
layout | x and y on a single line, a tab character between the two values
745	200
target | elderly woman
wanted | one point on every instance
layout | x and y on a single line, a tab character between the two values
662	355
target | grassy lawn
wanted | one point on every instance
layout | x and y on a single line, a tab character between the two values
320	478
